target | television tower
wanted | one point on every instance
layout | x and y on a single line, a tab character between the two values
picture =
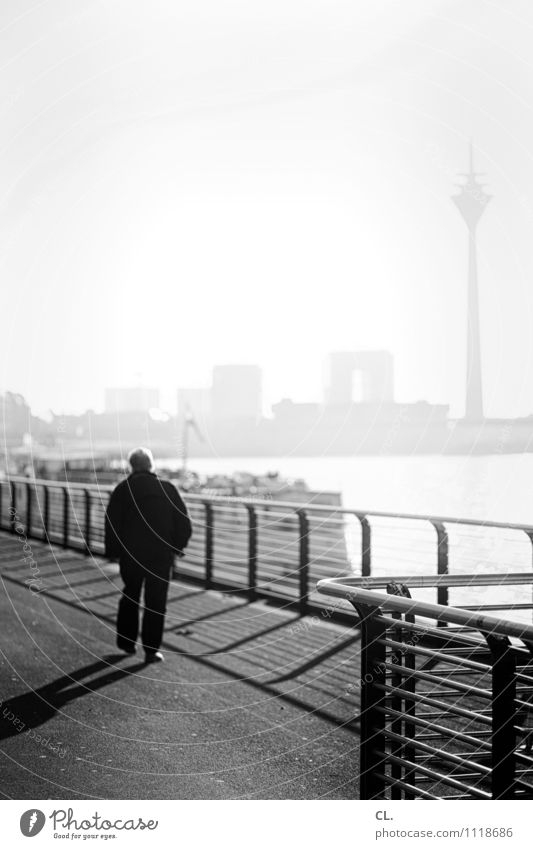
471	201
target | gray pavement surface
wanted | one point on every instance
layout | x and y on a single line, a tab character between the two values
252	701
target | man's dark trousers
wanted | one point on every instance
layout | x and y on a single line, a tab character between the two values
155	580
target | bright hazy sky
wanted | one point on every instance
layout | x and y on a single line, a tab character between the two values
190	183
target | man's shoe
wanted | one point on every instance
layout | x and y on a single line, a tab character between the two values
153	657
127	648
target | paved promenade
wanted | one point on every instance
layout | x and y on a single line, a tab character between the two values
251	703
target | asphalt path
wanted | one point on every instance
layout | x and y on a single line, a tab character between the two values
252	702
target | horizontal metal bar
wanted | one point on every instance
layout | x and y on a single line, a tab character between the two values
418	675
525	707
432	715
424	723
442	754
343	588
292	506
419	581
449	635
407	648
523	757
436	776
410	788
497	607
446	694
419	697
445	671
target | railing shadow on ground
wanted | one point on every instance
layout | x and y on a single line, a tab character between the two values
303	666
36	707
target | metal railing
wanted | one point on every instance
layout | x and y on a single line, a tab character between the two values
445	712
279	550
446	702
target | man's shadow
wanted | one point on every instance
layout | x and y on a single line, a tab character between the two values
35	707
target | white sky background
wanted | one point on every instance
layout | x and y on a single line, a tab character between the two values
184	184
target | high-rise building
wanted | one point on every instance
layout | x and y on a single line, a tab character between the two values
15	416
236	392
368	374
471	201
134	399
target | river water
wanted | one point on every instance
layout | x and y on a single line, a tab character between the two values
494	487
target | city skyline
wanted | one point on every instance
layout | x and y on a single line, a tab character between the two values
317	216
339	386
360	377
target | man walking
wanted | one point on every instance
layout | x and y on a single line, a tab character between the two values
146	525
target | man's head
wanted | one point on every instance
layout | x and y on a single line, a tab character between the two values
141	460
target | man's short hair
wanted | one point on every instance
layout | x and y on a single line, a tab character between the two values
141	460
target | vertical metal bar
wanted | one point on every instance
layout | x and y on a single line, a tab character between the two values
404	705
46	514
88	529
209	516
3	507
65	517
409	707
29	505
503	716
13	522
529	534
442	564
372	765
252	552
396	724
366	545
303	566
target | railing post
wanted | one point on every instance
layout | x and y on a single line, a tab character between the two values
65	517
442	563
13	488
372	750
303	567
252	552
396	724
46	514
503	716
29	501
366	546
209	515
404	705
529	534
88	530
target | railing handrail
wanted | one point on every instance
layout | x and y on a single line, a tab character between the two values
348	589
482	579
328	509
